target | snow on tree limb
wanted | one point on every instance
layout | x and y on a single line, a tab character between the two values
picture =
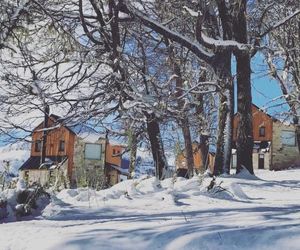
194	46
192	12
12	22
226	44
280	23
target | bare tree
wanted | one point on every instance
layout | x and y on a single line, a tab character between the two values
104	59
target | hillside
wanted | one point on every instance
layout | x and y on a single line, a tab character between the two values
16	154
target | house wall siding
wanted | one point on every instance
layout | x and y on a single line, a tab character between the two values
267	160
53	138
259	119
39	176
283	156
181	160
58	176
84	169
112	158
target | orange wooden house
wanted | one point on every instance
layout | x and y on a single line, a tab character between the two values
275	144
114	170
262	124
181	164
70	154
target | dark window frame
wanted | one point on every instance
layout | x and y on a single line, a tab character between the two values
62	146
262	131
38	146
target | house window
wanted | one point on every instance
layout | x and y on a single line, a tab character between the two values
26	176
61	146
38	146
288	138
92	151
262	131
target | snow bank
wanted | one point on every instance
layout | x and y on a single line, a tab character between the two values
173	214
10	195
147	190
244	174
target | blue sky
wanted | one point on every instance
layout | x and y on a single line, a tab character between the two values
264	88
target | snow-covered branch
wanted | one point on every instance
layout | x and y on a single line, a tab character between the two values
7	26
188	43
280	23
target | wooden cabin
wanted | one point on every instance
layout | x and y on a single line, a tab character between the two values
59	152
71	157
275	144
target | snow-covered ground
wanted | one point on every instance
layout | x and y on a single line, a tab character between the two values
261	212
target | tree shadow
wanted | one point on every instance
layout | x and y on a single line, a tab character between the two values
192	228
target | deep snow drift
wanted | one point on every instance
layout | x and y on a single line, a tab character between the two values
251	213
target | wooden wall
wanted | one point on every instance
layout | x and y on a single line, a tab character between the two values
112	158
53	140
259	119
283	156
181	159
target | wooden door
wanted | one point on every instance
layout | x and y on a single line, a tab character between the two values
261	161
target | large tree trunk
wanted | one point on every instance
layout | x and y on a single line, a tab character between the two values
188	146
245	134
183	119
224	140
244	97
203	146
229	128
157	149
204	149
298	136
297	126
133	151
219	160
